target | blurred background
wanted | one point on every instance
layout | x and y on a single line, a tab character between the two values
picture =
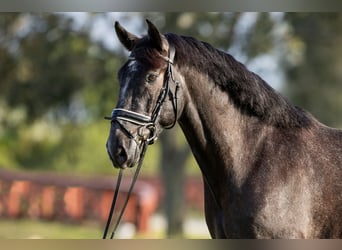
58	80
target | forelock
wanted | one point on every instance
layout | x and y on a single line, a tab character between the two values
145	53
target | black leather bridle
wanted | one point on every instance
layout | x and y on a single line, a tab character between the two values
142	122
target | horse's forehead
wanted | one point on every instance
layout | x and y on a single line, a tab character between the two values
132	66
130	71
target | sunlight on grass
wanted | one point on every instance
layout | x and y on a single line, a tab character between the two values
30	229
194	228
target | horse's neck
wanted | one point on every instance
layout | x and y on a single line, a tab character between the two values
218	133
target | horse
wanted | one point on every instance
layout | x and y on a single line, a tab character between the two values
270	169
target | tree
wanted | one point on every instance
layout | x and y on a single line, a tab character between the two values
54	80
314	71
172	163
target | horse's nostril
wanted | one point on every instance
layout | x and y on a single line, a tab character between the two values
121	156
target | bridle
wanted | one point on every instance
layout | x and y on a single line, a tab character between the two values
143	122
120	115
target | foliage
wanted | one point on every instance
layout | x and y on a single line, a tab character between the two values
314	78
57	82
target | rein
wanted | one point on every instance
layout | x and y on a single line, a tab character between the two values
143	122
116	194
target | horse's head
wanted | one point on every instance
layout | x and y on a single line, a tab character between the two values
148	95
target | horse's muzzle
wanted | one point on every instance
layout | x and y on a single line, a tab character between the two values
123	152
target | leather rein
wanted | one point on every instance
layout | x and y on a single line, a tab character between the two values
142	122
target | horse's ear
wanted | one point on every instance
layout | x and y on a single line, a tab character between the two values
156	37
127	39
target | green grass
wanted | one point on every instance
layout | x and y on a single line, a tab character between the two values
34	229
28	229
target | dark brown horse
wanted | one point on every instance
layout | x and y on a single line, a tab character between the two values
270	169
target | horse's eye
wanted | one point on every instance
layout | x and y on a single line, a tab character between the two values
150	78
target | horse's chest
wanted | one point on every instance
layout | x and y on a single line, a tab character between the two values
278	214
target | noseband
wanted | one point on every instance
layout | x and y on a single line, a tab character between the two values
143	122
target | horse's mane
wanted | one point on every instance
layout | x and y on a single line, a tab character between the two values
251	94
